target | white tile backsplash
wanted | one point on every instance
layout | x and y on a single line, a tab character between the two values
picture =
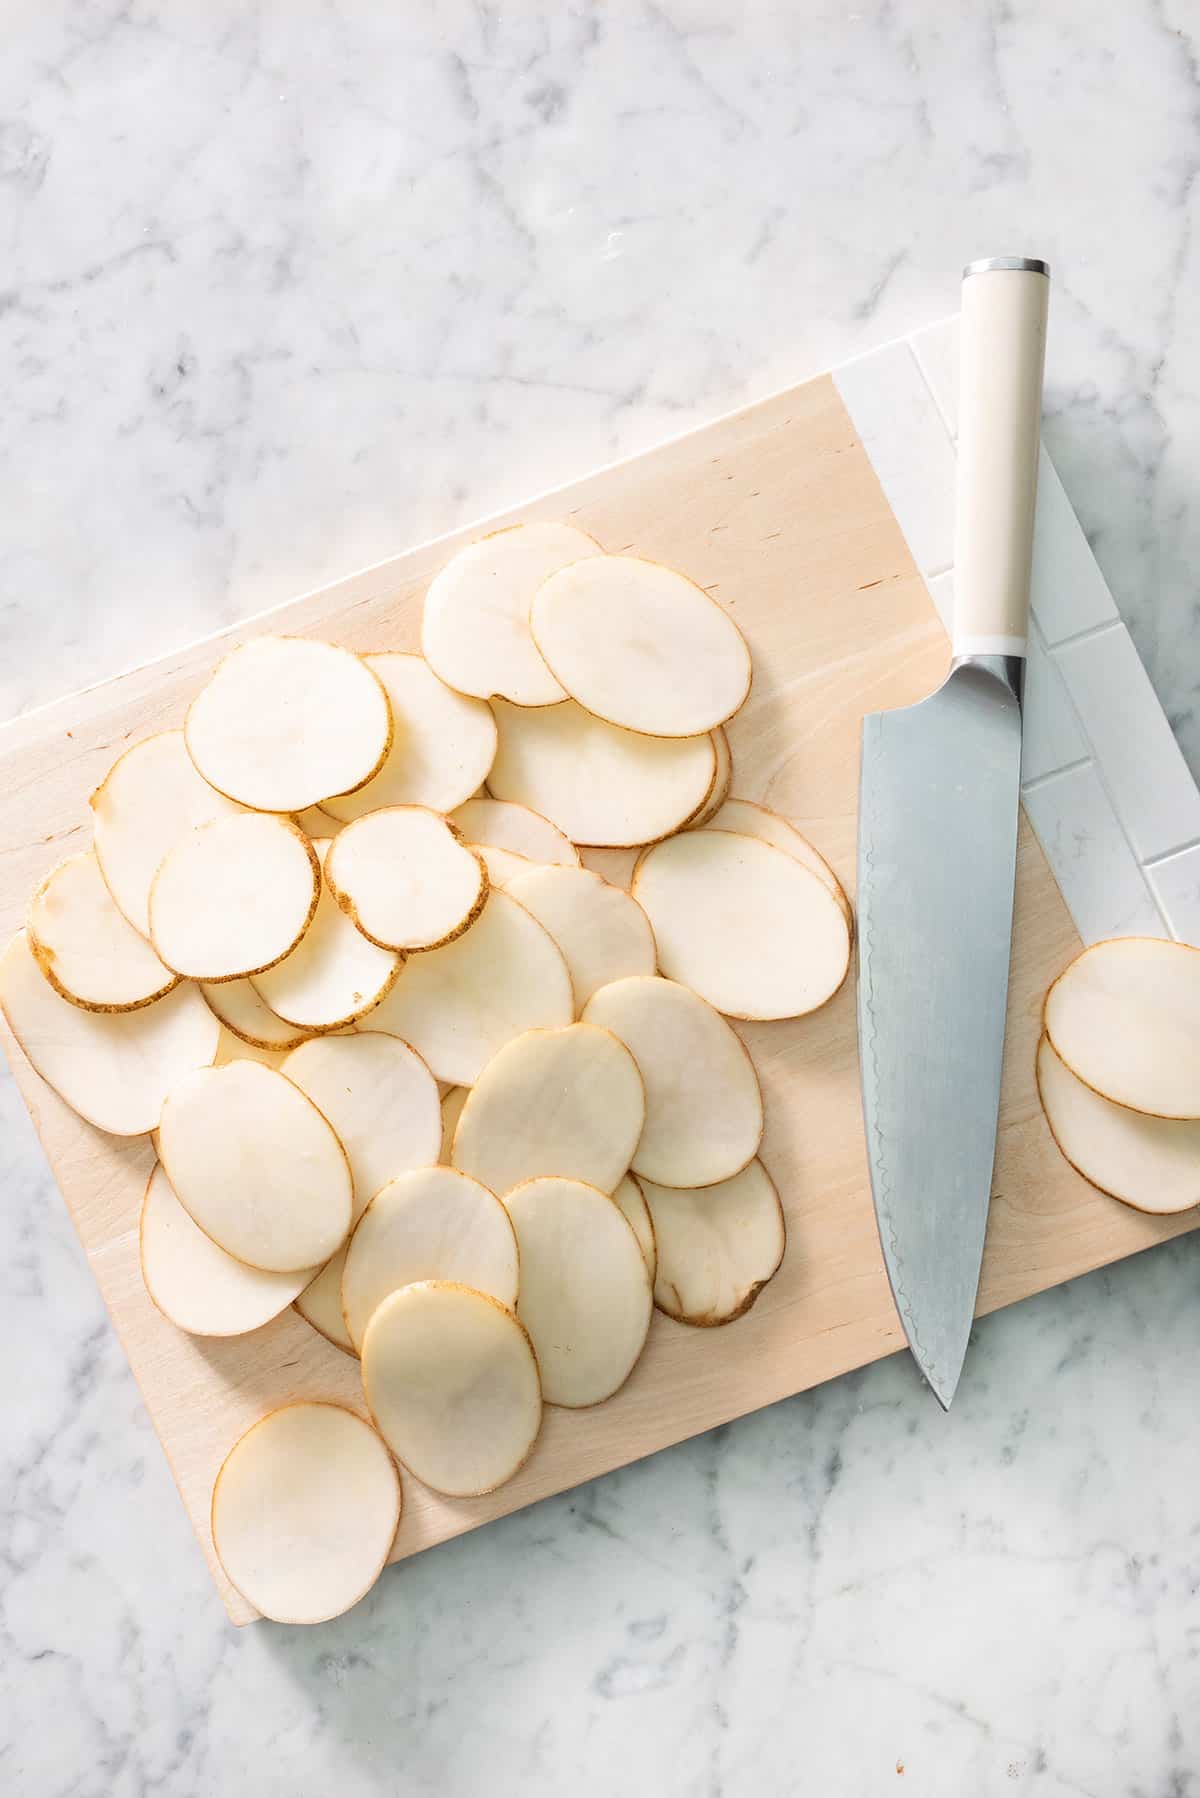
1176	885
1097	871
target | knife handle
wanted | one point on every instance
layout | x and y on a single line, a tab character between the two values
1001	357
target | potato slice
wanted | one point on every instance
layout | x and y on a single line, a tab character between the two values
316	823
113	1068
641	646
721	784
234	897
304	1512
747	819
452	1104
381	1100
405	878
1151	1163
502	825
232	1048
284	723
320	1304
566	1102
743	924
1125	1018
502	864
256	1164
150	797
334	975
451	1380
459	1004
475	631
603	933
717	1247
242	1009
585	1292
195	1284
431	1223
631	1201
86	947
704	1115
443	747
602	786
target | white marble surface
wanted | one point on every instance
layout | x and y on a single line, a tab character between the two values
288	286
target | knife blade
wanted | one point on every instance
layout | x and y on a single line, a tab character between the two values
937	843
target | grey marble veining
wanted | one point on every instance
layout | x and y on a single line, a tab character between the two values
286	287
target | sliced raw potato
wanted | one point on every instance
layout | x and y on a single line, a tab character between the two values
717	1247
334	975
257	1165
631	1202
86	947
317	824
458	1005
747	819
452	1104
585	1292
429	1224
475	631
443	745
451	1380
195	1284
1152	1163
320	1304
405	878
566	1102
304	1512
113	1068
641	646
242	1009
381	1100
232	1048
1125	1017
502	825
704	1114
603	933
149	799
600	785
748	927
502	865
234	897
720	786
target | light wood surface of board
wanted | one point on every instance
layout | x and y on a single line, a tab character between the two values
776	511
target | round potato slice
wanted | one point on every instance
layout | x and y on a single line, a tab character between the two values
459	1004
320	1304
381	1100
502	865
1125	1018
234	897
567	1102
585	1292
475	631
257	1166
602	786
721	785
743	924
451	1380
86	947
334	975
443	746
452	1104
631	1202
603	933
149	798
195	1284
113	1068
429	1224
747	819
304	1512
717	1247
1151	1163
641	646
500	824
704	1115
241	1008
285	723
405	878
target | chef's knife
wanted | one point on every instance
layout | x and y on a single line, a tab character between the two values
937	844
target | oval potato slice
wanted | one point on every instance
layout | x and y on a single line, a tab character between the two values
747	819
320	1304
502	865
567	1102
451	1380
113	1068
1151	1163
234	897
86	947
743	924
585	1292
500	824
602	786
704	1114
405	878
717	1247
475	630
1125	1018
304	1512
641	646
243	1010
284	723
443	746
232	1048
721	784
603	933
631	1201
334	975
381	1100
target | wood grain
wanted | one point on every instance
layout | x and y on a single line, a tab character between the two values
776	511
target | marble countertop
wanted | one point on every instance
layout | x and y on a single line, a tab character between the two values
286	288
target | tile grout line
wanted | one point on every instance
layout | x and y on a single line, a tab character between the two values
1086	634
1044	780
1169	855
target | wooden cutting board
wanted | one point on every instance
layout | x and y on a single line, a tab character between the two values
777	512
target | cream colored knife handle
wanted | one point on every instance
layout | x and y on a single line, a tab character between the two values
1001	356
